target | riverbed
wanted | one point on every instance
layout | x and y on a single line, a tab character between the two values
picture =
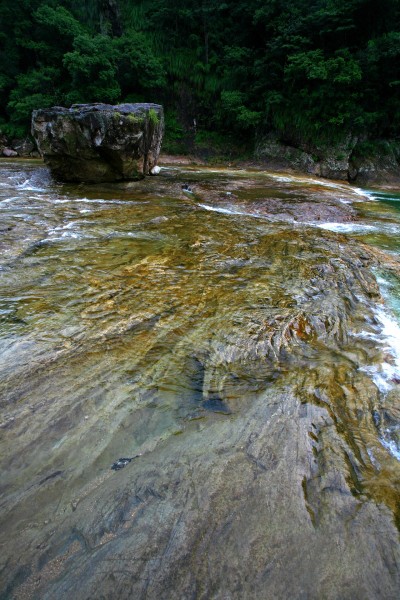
236	335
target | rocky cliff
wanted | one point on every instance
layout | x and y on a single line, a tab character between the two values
352	159
99	142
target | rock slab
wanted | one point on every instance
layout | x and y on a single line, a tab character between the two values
99	142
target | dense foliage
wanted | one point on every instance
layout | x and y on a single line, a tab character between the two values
309	69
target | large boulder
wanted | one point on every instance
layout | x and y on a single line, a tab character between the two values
329	160
99	142
376	162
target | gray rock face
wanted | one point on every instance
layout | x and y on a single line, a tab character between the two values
24	147
330	162
99	142
341	160
380	165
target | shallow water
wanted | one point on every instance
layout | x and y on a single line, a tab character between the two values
130	314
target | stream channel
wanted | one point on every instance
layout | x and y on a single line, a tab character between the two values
240	342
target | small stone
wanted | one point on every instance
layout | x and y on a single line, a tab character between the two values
9	153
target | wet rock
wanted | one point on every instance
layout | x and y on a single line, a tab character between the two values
217	405
51	476
376	162
273	150
364	161
283	499
9	153
3	141
24	147
330	161
244	510
120	463
99	142
333	167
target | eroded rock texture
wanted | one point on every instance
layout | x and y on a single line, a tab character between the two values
99	142
351	159
232	354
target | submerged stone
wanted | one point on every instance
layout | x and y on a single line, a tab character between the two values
99	142
216	405
120	463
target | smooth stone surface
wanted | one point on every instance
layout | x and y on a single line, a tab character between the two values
9	153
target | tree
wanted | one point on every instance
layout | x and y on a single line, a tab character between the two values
309	69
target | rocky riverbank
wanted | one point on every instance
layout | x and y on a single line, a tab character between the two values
366	164
18	148
373	172
355	159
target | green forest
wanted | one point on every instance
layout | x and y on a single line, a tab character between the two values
311	70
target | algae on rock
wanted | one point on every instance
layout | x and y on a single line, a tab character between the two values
99	142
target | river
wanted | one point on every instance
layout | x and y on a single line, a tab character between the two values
236	335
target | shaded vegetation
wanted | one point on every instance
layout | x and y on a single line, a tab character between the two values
312	71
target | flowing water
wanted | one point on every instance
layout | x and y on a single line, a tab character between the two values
137	318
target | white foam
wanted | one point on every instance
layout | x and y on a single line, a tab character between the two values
364	193
71	234
281	178
66	236
391	446
31	188
312	181
229	211
222	170
342	187
64	230
69	230
388	337
387	374
69	225
7	200
345	227
103	201
29	185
